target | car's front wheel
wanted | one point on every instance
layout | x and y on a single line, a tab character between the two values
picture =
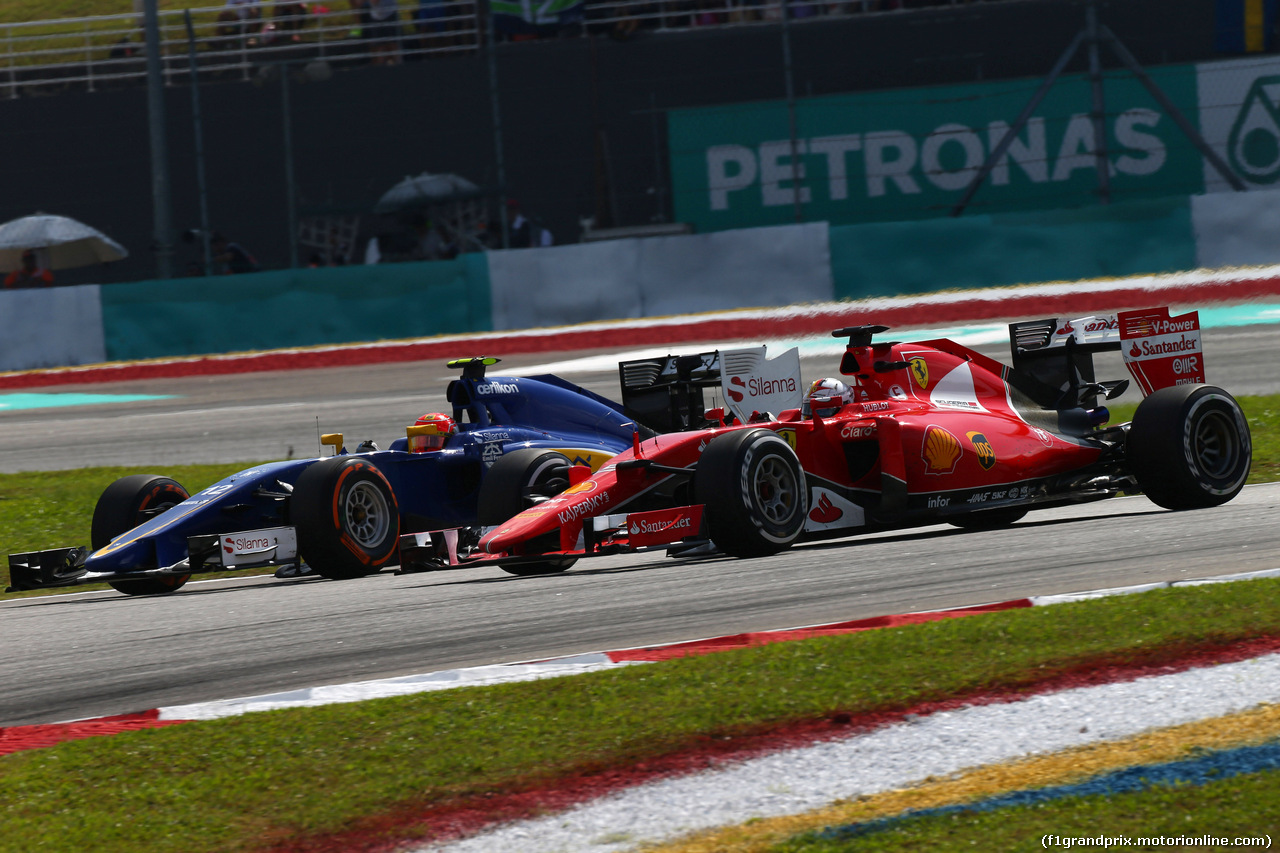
127	503
347	518
517	481
753	490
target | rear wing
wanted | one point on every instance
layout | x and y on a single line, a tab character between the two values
1059	352
667	393
1158	350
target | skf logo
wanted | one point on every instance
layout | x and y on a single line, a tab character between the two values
986	453
920	371
788	435
941	451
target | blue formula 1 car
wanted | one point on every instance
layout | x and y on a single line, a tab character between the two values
341	516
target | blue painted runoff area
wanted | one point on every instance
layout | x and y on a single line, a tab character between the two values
13	402
1210	766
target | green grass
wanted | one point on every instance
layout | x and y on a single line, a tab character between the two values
237	784
1244	806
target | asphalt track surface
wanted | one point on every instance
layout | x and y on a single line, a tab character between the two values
91	654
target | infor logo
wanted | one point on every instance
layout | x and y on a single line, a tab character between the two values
1254	144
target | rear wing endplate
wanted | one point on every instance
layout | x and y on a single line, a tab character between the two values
666	393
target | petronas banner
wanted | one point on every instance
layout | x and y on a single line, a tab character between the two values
910	154
535	16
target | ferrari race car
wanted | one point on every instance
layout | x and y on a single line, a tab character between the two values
338	516
914	434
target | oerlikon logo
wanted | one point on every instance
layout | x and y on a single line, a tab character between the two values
941	451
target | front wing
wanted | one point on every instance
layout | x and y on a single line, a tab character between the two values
622	533
274	547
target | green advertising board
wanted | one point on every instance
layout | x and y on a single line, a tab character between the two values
911	153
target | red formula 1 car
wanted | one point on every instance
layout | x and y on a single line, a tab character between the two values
914	434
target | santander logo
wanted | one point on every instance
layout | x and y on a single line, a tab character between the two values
1066	329
825	512
1135	352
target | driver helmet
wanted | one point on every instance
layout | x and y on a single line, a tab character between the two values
825	397
444	426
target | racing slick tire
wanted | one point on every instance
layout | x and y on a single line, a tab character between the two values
514	483
124	505
346	516
989	519
1189	447
753	490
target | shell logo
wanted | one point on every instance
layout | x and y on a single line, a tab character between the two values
582	488
941	451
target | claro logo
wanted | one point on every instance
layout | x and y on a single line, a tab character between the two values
497	388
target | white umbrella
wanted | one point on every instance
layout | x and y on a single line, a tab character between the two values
422	191
61	243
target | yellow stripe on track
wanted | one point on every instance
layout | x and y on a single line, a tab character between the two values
1249	728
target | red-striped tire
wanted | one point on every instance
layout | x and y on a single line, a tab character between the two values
347	518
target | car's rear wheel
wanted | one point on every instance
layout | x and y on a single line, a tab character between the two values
127	503
753	490
517	481
1189	447
347	518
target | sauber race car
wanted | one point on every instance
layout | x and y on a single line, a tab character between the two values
338	516
912	434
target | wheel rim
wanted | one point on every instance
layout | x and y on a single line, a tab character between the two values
1215	445
775	489
367	515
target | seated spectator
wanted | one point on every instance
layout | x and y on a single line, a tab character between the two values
231	258
290	18
383	31
30	274
239	20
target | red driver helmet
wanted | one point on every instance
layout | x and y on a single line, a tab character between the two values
825	397
439	427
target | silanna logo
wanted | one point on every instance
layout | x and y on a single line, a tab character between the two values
757	386
941	451
986	453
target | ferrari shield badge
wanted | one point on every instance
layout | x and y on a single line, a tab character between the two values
920	371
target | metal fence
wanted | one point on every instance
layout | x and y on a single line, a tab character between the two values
94	52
